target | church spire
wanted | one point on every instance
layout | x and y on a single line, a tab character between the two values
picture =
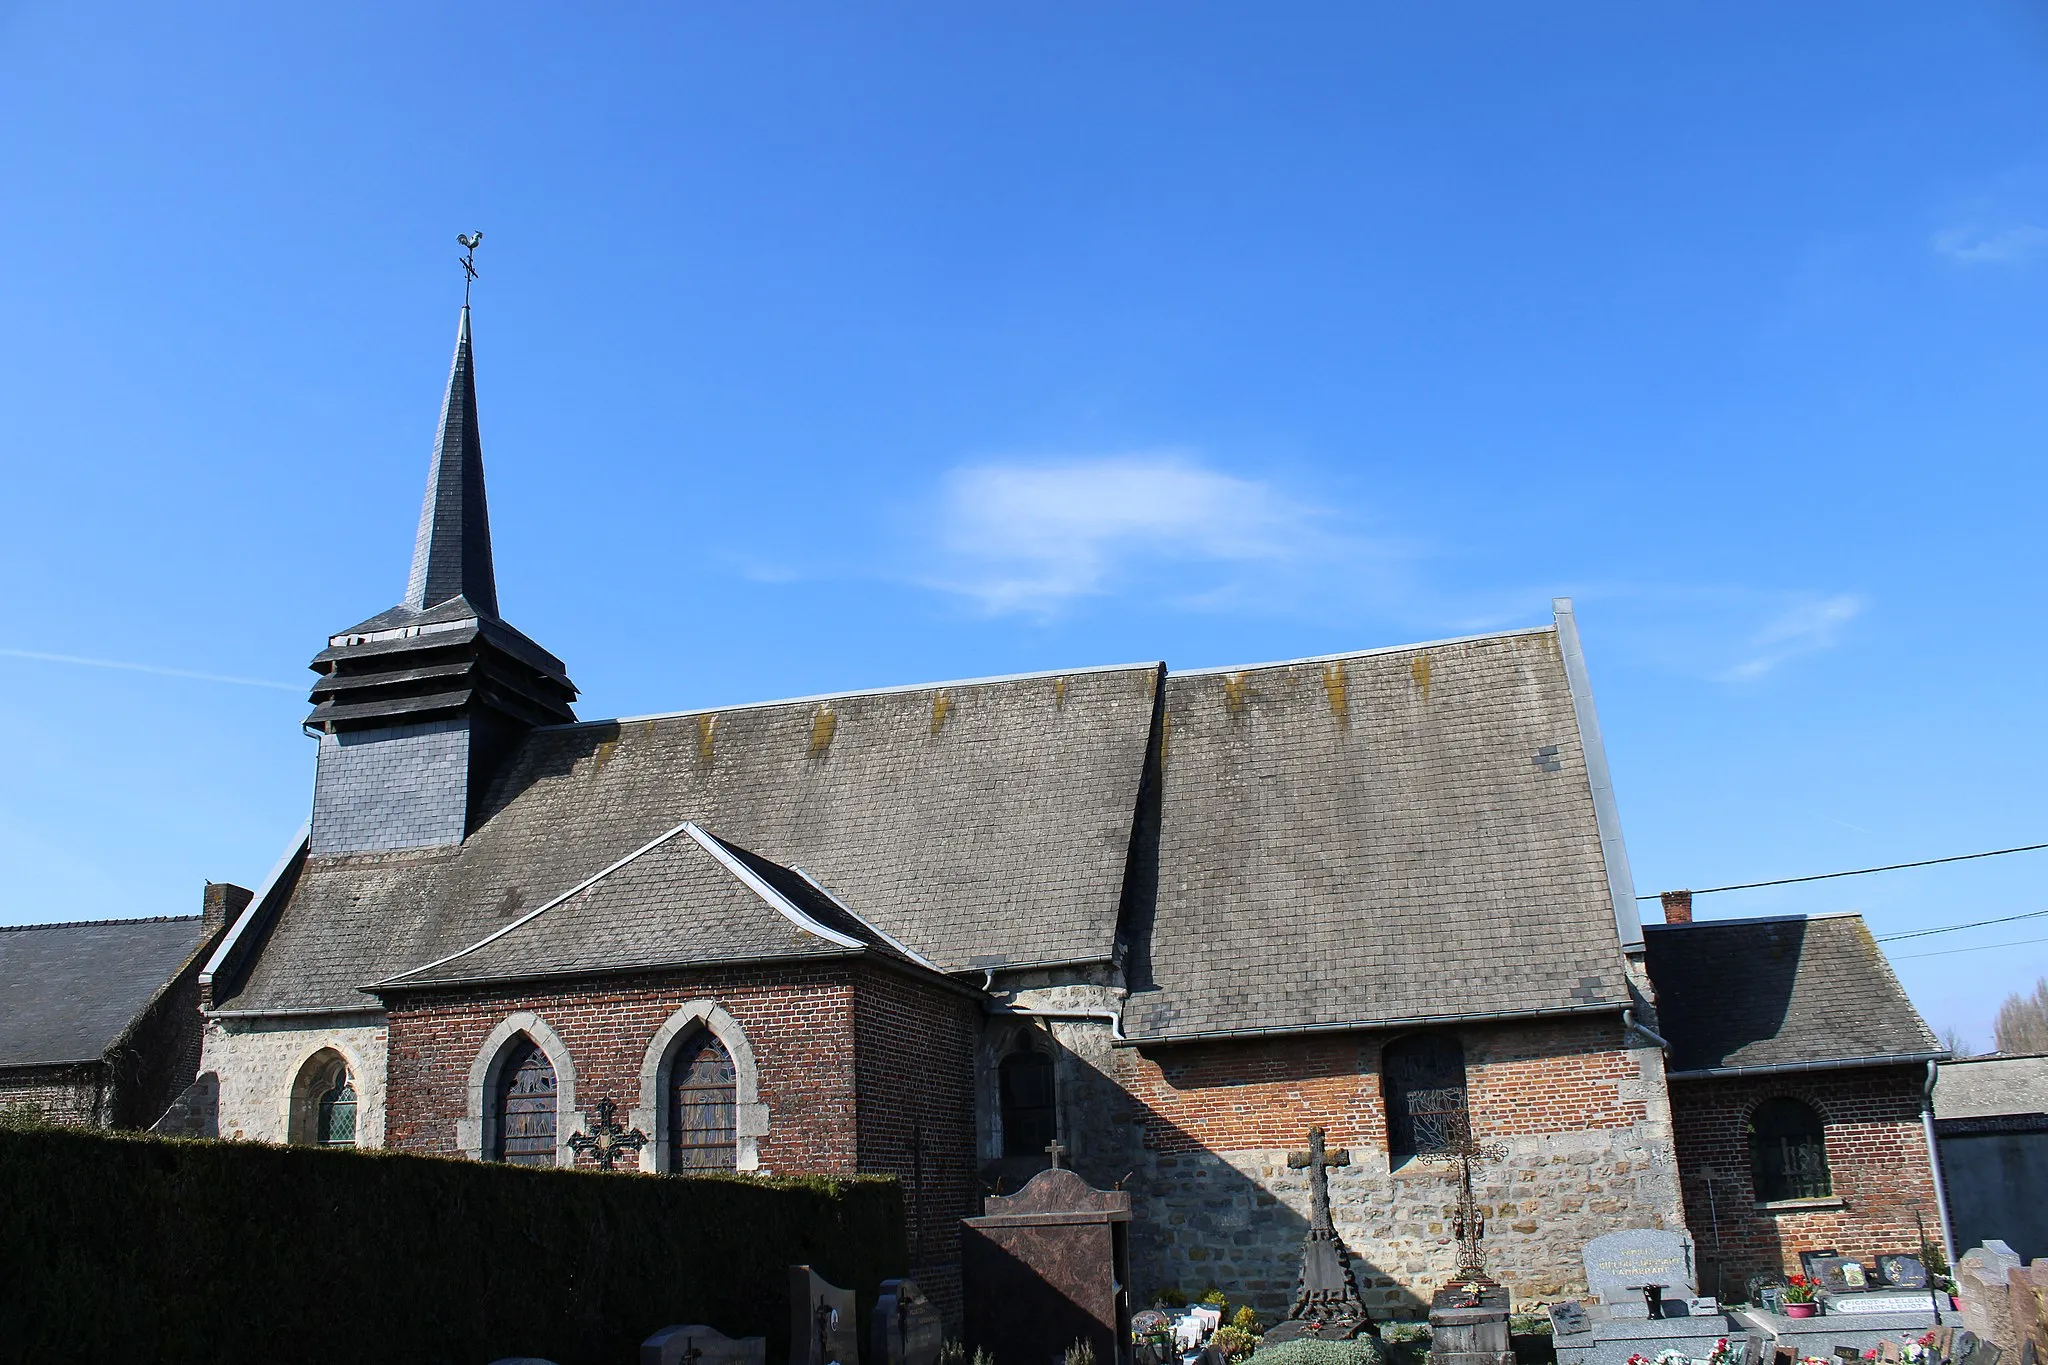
451	556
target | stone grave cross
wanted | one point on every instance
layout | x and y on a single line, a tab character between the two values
1055	1151
607	1139
1317	1160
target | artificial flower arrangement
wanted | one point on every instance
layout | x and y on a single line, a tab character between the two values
1799	1289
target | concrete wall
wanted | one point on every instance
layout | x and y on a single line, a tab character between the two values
1998	1185
259	1062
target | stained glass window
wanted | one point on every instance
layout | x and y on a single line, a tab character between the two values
1423	1077
336	1120
526	1107
1788	1152
1029	1118
701	1097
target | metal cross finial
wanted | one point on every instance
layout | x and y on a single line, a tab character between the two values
607	1139
469	242
1318	1160
1055	1151
1468	1223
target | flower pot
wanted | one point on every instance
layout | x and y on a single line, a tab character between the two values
1801	1310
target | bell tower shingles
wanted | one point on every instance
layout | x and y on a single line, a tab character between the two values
415	706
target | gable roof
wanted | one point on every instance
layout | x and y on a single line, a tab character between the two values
1378	838
1993	1086
981	823
685	899
71	989
1783	992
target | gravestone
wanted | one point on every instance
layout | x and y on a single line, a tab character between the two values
2027	1300
1621	1265
1982	1285
1326	1302
1046	1267
1840	1274
1807	1260
701	1345
1568	1319
1903	1272
822	1325
907	1330
1468	1325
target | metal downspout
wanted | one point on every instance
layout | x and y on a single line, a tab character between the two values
1948	1237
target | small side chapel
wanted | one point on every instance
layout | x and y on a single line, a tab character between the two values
1169	920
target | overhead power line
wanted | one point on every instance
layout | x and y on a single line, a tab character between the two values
1944	952
1951	928
1858	872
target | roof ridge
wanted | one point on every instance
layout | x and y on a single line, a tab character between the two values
1759	919
1364	653
96	923
892	689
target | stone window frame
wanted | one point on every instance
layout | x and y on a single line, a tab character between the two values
302	1100
1801	1204
476	1132
1025	1034
750	1115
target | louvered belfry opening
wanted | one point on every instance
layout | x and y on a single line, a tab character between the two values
702	1099
1423	1076
526	1107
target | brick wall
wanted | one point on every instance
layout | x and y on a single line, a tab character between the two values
75	1096
853	1060
1877	1162
1581	1114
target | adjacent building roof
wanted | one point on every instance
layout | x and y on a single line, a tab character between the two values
1781	992
1376	838
71	989
1991	1087
980	824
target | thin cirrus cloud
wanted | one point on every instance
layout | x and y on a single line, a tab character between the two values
1033	537
1807	627
2010	245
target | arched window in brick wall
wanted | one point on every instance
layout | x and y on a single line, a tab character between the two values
1788	1151
525	1100
702	1096
1422	1078
1024	1084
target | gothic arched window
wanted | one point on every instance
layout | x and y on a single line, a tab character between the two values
1788	1152
1423	1078
525	1109
702	1084
1030	1118
335	1119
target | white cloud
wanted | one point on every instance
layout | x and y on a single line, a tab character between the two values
1807	627
1033	536
1992	246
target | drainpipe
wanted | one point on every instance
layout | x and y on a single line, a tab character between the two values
1114	1018
1948	1237
1635	1025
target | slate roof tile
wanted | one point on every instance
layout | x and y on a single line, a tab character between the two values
70	989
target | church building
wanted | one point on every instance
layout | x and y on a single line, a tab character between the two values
1154	924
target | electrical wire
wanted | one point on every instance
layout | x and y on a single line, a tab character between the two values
1858	872
1944	952
1951	928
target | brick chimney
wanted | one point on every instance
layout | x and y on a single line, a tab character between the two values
224	901
1678	907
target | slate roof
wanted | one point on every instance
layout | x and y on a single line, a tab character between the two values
684	900
1376	838
979	823
1779	992
452	551
68	990
1991	1087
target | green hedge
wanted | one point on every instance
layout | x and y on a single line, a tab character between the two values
216	1253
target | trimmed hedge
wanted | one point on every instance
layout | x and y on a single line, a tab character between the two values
217	1253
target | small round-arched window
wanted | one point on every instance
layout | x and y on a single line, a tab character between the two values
1788	1151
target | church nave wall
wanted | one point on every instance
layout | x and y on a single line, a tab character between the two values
260	1061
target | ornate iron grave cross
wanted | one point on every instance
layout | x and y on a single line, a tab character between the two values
1469	1226
606	1138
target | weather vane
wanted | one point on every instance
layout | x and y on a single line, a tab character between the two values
469	242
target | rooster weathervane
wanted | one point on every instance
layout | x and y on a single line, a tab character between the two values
469	242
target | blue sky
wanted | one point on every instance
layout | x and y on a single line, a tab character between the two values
826	346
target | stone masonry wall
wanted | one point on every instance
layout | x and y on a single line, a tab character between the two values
1877	1164
259	1060
1581	1112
